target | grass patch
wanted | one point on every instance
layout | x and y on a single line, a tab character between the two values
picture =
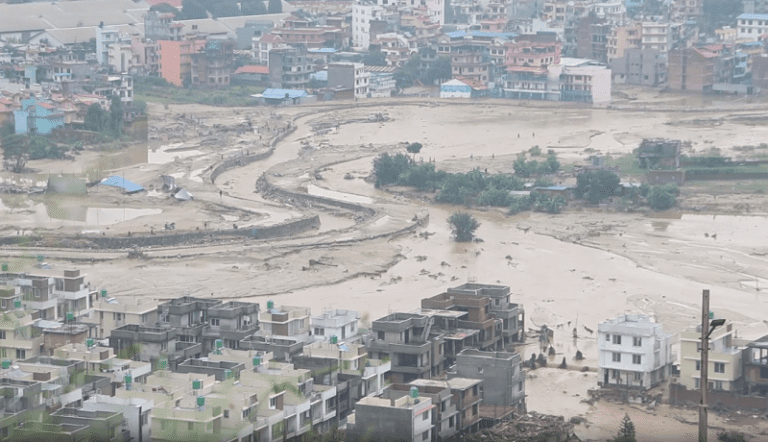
628	164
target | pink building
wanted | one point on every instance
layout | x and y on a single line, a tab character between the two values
175	60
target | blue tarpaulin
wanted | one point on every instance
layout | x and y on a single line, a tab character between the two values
118	181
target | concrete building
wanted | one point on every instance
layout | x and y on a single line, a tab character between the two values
285	322
363	12
756	367
502	375
289	68
511	314
160	26
19	338
77	424
692	69
466	398
137	413
231	322
221	370
406	419
751	26
111	313
338	322
263	44
176	60
642	67
633	352
37	117
153	344
475	315
622	38
188	315
583	81
455	89
726	353
213	64
445	415
415	350
349	76
283	349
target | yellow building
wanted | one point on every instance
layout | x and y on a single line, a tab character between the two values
725	359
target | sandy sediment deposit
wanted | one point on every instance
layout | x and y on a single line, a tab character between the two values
571	270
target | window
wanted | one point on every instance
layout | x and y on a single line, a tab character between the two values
425	415
616	357
2	304
190	426
226	414
637	341
2	334
474	410
117	316
608	337
21	353
425	435
617	339
719	367
638	376
637	359
246	413
37	293
163	425
214	322
319	331
380	335
163	346
698	365
520	386
450	421
273	402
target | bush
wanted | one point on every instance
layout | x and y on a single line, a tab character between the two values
463	226
414	148
422	177
494	197
388	168
506	182
535	151
597	186
519	204
661	198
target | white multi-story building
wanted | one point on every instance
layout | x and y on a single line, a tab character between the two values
285	322
613	11
726	354
362	14
656	35
340	323
751	26
633	351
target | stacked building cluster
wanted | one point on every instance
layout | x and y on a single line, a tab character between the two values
521	49
128	368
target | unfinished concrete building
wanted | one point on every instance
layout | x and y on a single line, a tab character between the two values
188	315
231	322
152	344
466	397
659	153
502	375
406	419
414	348
445	417
511	314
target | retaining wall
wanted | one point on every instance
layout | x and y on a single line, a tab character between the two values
725	176
288	228
239	162
268	188
679	395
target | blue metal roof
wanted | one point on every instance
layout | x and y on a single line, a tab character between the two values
552	188
118	181
752	17
280	94
486	34
322	51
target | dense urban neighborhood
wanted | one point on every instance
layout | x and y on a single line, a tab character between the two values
383	220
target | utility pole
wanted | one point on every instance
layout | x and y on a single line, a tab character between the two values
704	365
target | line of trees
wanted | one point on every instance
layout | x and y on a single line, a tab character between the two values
106	122
18	149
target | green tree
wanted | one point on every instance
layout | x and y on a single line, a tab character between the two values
456	189
535	151
95	118
597	186
275	6
192	10
253	7
552	164
408	73
519	204
626	431
463	226
494	197
166	8
16	151
224	8
661	198
388	168
414	148
116	116
521	166
439	71
375	58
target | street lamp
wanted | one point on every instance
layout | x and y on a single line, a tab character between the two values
706	330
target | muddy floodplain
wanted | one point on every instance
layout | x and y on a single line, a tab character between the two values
571	270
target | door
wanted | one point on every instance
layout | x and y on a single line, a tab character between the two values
606	378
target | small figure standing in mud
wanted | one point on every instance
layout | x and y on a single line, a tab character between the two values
471	157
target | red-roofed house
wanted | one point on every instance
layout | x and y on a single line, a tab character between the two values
251	76
691	69
175	3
